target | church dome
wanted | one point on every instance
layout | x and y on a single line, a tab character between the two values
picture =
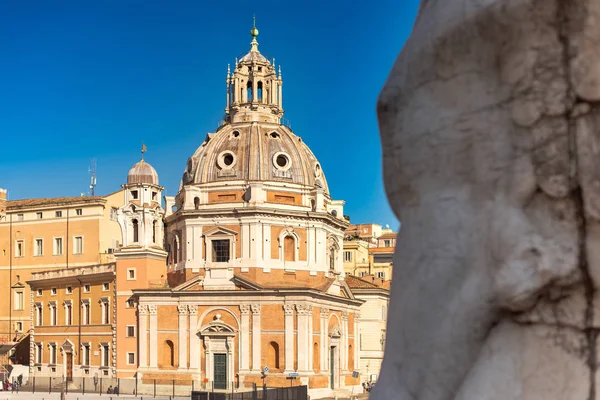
142	172
254	152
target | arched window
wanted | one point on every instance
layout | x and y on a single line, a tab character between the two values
249	91
196	202
154	231
332	259
289	251
273	355
168	354
259	91
135	230
316	359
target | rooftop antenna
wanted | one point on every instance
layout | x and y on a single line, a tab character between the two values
92	172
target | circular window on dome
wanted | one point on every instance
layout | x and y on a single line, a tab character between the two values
226	160
282	161
318	170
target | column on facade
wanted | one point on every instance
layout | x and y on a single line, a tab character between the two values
152	310
266	240
279	94
256	334
273	92
344	352
143	335
194	339
182	310
288	310
245	238
321	249
310	247
303	313
254	89
356	342
324	341
310	340
256	245
236	90
245	338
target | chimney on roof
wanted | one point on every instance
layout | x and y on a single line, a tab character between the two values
2	204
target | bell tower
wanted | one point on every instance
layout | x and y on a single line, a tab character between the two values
254	89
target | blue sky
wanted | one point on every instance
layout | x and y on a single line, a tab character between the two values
93	79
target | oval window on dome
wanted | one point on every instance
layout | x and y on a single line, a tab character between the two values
282	161
226	160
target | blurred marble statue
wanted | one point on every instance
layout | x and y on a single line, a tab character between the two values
491	144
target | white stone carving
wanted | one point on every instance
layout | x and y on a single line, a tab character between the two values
490	141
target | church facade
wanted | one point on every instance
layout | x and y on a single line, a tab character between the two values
256	285
239	280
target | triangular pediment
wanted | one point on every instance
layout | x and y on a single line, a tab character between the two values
346	291
218	230
190	284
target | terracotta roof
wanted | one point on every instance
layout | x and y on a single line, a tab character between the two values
318	284
354	282
55	201
390	235
381	250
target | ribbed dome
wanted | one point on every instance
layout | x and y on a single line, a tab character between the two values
142	172
258	152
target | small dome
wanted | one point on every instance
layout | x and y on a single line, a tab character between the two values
142	172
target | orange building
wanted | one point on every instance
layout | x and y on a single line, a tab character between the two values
43	234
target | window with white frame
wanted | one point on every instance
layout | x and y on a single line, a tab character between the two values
40	292
105	307
38	249
58	214
347	256
387	243
69	290
85	312
85	354
105	286
20	217
53	318
19	248
220	250
19	299
86	288
38	353
78	211
381	275
52	348
131	274
130	358
105	354
58	246
68	312
39	215
130	303
77	244
130	331
53	291
19	326
39	314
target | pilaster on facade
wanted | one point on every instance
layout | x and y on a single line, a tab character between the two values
244	338
324	342
256	335
182	310
143	335
194	339
288	310
344	352
152	310
304	314
356	347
